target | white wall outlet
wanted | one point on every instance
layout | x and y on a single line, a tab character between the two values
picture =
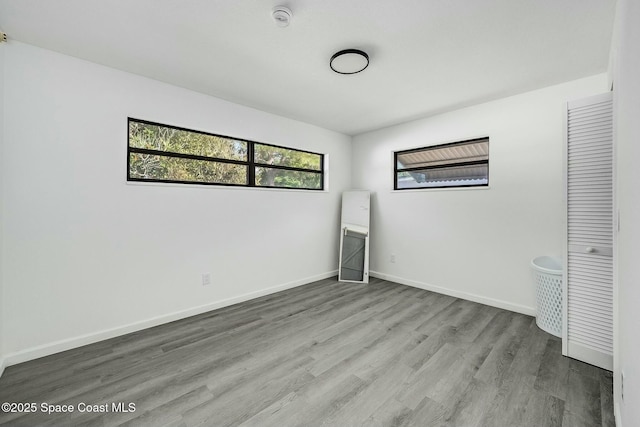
392	258
206	279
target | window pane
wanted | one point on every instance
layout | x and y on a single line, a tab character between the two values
163	138
148	166
443	155
277	156
270	177
456	176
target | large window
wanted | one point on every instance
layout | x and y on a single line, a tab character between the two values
459	164
162	153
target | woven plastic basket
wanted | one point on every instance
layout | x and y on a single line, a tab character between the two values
547	275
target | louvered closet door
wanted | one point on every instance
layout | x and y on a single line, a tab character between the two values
588	314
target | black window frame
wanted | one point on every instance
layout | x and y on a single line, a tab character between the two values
250	163
448	165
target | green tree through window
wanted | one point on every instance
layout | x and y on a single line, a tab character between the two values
162	153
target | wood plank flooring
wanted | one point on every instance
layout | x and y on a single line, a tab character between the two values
324	354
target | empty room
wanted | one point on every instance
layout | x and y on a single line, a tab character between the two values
306	213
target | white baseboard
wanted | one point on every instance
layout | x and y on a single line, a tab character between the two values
518	308
79	341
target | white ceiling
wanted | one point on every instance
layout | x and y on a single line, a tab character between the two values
427	56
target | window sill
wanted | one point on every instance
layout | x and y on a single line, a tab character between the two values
222	187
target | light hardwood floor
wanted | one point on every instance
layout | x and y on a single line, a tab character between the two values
329	354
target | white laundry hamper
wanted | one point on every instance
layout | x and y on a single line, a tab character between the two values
547	275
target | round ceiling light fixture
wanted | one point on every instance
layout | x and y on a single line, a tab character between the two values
282	15
349	61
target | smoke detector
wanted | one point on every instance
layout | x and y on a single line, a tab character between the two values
282	15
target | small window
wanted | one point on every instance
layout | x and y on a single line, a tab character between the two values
287	168
162	153
459	164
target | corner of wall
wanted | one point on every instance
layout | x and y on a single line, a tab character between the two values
2	323
613	50
626	68
352	178
616	414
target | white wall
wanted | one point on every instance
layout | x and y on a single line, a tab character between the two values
92	256
477	243
2	321
627	130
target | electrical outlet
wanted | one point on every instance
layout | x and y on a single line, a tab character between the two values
622	386
392	258
206	279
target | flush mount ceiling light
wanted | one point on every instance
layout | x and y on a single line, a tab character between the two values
349	61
